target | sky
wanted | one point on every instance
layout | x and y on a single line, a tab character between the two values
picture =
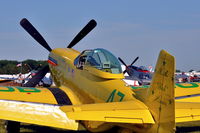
127	28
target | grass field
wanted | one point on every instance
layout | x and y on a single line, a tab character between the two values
191	127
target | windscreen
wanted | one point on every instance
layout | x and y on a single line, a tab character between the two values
103	60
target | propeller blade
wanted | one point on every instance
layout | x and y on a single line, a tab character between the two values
6	80
89	27
37	78
34	33
140	82
122	61
134	61
124	65
125	72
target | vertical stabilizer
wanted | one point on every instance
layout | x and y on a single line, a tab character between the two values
160	96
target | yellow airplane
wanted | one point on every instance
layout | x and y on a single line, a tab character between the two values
91	95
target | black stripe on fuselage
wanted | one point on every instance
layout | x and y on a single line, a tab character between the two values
60	96
187	96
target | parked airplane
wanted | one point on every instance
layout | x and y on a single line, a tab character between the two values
24	78
140	74
91	94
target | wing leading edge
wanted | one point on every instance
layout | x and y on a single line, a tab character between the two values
36	113
65	116
38	106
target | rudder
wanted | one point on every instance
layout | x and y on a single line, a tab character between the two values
160	95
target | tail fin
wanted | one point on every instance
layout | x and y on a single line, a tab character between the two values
160	96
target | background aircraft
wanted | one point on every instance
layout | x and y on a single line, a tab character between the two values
20	79
140	74
90	93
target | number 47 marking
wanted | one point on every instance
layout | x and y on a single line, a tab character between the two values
112	96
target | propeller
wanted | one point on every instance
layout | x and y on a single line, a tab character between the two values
37	78
127	67
89	27
38	37
31	69
123	64
34	33
134	60
5	80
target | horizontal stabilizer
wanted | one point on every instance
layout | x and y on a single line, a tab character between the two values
119	112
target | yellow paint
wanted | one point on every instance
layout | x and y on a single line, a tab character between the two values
100	99
104	75
88	83
119	112
40	114
160	95
27	95
96	87
192	89
187	111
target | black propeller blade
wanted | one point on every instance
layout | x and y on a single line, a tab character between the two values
34	33
37	78
32	69
123	64
6	80
126	65
125	72
83	33
134	61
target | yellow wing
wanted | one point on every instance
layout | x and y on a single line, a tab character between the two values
45	106
187	102
36	105
117	112
187	111
35	95
187	92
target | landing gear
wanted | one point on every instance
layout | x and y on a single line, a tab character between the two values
12	127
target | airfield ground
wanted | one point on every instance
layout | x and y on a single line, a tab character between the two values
193	127
29	128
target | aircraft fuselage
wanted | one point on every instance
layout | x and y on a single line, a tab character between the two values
94	85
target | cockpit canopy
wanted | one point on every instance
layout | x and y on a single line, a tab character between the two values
100	59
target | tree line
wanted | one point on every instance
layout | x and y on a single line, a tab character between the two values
16	67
